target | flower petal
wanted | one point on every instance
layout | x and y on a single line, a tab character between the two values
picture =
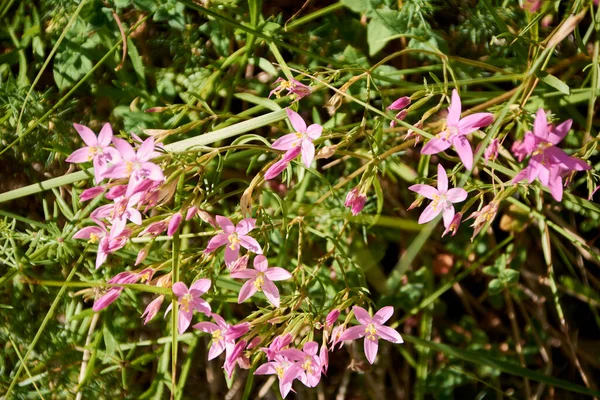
105	135
308	152
277	274
216	349
88	135
557	134
454	109
231	255
473	122
184	319
540	125
145	151
247	290
250	243
207	327
424	190
245	226
371	347
286	142
314	131
261	263
296	120
435	146
271	292
383	315
442	179
352	333
389	334
456	195
180	289
463	148
201	285
244	274
429	213
80	156
448	216
225	224
216	242
125	149
362	315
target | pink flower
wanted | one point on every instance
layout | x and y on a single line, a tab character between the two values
153	308
91	193
483	216
302	138
332	317
372	329
491	152
456	131
297	89
135	165
261	279
355	201
174	224
442	198
548	163
278	366
155	228
336	334
239	264
307	365
453	227
278	167
277	345
114	292
97	150
191	213
235	355
222	334
234	236
189	300
107	242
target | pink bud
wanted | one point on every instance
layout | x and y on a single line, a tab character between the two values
239	264
254	342
400	116
355	200
174	224
453	227
399	104
91	193
191	213
116	191
332	317
324	358
491	152
153	308
155	228
142	255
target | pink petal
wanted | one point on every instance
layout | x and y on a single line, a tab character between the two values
277	274
245	226
174	224
88	135
448	216
296	120
454	109
371	347
184	319
80	156
240	264
383	315
180	289
463	148
435	146
100	257
237	331
442	179
125	149
100	168
145	151
308	152
425	190
558	134
244	274
105	135
389	334
292	153
314	131
556	188
247	290
106	300
429	213
231	255
250	243
399	104
201	285
266	369
311	348
152	171
352	333
207	327
473	122
85	233
216	242
540	125
216	349
91	193
456	195
276	169
271	292
286	142
362	315
117	171
261	263
225	224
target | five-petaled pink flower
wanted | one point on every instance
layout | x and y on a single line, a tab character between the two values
233	237
97	150
307	365
295	88
223	334
456	131
189	300
372	329
548	162
442	198
108	242
135	165
279	366
261	279
303	138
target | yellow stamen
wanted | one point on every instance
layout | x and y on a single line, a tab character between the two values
94	238
371	332
185	302
259	281
307	365
234	240
217	336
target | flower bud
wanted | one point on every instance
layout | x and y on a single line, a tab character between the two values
332	317
174	224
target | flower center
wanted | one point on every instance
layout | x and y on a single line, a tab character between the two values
542	147
307	365
234	240
185	302
437	200
259	281
280	371
217	336
94	238
371	332
144	277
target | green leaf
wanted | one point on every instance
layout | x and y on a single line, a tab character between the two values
495	287
358	6
556	83
110	342
136	61
377	35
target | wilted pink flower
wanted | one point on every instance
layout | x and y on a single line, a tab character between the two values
153	308
355	201
261	279
297	89
107	242
97	150
155	228
332	317
234	354
336	334
278	366
240	264
233	237
174	223
279	343
278	167
442	198
456	131
307	365
372	329
114	292
548	163
189	300
483	216
135	165
491	152
222	334
302	138
91	193
453	227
